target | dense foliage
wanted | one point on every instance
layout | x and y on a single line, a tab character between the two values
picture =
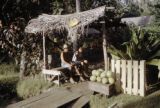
16	13
155	10
11	9
137	44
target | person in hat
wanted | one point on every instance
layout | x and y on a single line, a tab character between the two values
66	61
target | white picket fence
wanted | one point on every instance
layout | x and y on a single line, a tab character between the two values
130	76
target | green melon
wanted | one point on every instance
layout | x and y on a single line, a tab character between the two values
104	80
111	80
99	79
100	70
93	78
103	75
97	73
94	72
109	74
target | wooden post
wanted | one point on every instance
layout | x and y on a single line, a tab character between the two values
142	77
75	43
23	65
78	8
44	51
105	46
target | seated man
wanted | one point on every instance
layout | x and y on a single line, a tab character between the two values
66	61
80	61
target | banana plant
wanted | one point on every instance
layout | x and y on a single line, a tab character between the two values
142	45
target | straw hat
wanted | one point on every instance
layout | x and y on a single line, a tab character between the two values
73	22
65	46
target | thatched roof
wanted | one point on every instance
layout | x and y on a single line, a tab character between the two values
45	23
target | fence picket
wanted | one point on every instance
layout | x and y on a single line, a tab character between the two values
142	78
123	80
129	77
113	67
135	77
118	76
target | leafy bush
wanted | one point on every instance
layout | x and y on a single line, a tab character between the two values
142	45
132	10
32	87
8	80
8	69
155	9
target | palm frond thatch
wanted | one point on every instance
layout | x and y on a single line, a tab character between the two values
45	22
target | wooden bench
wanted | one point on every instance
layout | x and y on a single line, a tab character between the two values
55	72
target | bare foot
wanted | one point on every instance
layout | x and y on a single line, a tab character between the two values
81	78
72	81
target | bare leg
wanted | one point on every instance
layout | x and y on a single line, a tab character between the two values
78	73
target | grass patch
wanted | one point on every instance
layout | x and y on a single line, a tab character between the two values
8	80
32	87
12	89
126	101
10	69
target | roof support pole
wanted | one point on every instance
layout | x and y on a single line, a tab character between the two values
75	44
105	47
44	51
78	7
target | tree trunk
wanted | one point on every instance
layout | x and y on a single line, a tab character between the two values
23	63
75	44
44	51
105	47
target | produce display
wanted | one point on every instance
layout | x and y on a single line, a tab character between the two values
102	76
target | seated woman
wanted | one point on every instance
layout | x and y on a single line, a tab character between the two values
66	61
80	62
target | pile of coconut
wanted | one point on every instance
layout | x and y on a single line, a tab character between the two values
102	76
